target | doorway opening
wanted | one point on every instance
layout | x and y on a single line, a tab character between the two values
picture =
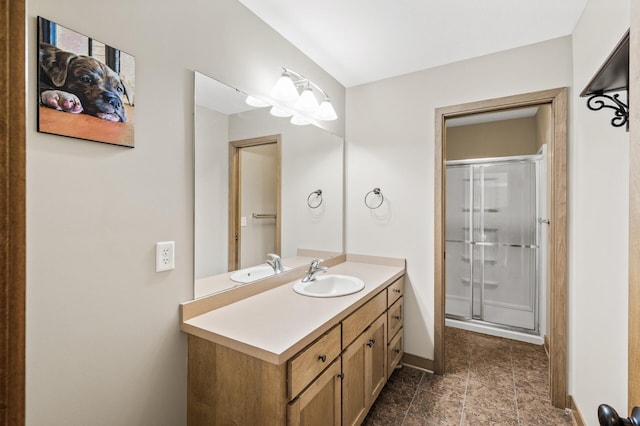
556	99
254	200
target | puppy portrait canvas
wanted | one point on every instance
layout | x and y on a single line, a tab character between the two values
85	87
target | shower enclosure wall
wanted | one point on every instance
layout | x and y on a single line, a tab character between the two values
492	250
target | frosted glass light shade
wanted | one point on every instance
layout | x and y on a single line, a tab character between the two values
326	112
299	121
277	112
284	89
255	102
307	102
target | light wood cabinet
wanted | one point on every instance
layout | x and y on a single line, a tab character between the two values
395	322
364	372
394	317
332	381
394	352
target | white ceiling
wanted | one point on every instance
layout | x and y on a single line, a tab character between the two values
359	41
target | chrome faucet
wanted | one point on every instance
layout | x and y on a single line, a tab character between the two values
314	268
275	262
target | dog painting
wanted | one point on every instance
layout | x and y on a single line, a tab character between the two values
86	88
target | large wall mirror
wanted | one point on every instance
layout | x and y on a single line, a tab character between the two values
266	170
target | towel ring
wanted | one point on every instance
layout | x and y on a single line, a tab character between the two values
318	194
374	191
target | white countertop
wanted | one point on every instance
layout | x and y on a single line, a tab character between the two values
276	324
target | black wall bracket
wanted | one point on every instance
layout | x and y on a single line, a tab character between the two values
613	76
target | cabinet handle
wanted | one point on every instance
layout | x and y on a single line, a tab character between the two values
397	351
341	376
322	358
397	290
371	342
396	317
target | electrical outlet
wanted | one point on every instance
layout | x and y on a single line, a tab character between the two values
165	256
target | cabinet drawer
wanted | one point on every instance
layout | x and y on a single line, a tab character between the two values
394	318
310	362
395	291
395	352
358	321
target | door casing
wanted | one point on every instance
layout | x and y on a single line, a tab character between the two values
12	211
557	237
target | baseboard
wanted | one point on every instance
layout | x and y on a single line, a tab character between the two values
416	361
546	345
578	419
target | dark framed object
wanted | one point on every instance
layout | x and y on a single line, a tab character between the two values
85	87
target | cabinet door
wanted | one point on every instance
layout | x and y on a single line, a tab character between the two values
364	368
376	370
319	404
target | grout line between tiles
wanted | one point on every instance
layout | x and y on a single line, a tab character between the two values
466	386
415	392
515	388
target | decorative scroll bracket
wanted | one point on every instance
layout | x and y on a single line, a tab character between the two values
599	101
613	76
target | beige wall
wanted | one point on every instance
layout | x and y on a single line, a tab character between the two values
598	224
103	344
390	144
494	139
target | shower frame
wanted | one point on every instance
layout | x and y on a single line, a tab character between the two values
493	161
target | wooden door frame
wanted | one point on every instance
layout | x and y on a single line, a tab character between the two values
234	193
557	151
634	211
12	211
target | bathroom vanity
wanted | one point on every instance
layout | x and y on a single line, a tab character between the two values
264	354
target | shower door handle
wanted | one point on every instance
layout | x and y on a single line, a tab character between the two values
607	416
541	220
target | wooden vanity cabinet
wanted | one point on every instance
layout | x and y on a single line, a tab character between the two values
332	381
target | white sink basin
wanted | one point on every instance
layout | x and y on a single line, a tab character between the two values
329	286
253	273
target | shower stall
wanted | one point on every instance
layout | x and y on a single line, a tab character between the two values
492	243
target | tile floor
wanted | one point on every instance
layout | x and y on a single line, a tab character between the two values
488	381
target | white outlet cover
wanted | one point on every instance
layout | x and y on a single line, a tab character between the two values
165	256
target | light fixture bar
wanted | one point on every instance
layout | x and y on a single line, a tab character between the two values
296	90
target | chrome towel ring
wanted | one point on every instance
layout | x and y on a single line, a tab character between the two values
377	192
315	202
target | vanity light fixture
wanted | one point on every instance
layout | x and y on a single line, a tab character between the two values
297	92
325	111
277	112
307	101
285	89
255	102
299	121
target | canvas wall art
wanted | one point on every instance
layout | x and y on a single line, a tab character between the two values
85	87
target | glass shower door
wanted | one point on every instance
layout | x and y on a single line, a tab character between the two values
505	216
458	249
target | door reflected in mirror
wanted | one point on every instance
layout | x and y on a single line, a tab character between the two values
309	158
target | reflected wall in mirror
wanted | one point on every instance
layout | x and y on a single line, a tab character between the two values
310	159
